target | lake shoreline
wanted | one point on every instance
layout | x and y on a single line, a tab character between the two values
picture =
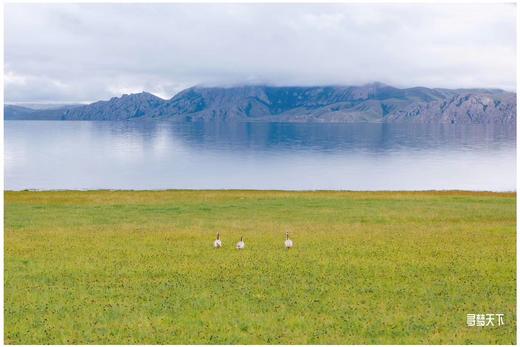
439	191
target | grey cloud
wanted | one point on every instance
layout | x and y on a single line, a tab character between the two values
77	52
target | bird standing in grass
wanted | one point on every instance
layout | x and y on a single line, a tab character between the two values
288	242
217	243
241	244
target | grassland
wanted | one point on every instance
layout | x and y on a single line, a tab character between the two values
138	267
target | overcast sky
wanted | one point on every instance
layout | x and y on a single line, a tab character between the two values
87	52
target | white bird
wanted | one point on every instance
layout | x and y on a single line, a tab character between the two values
241	244
288	243
217	243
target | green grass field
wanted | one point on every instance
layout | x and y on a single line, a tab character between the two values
138	267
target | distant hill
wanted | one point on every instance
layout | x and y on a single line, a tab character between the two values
37	111
123	108
17	112
14	112
374	102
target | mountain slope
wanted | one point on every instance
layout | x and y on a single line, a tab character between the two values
303	102
461	108
370	103
374	102
128	106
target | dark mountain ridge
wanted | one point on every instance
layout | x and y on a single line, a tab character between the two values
374	102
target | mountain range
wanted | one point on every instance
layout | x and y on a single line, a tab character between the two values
375	102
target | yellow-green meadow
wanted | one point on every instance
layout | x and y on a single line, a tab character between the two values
129	267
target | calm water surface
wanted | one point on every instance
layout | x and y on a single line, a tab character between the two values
162	155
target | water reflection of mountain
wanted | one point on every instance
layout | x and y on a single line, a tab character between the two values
165	155
374	138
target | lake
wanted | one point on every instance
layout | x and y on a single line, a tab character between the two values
48	155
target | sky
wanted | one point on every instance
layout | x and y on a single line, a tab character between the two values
70	53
